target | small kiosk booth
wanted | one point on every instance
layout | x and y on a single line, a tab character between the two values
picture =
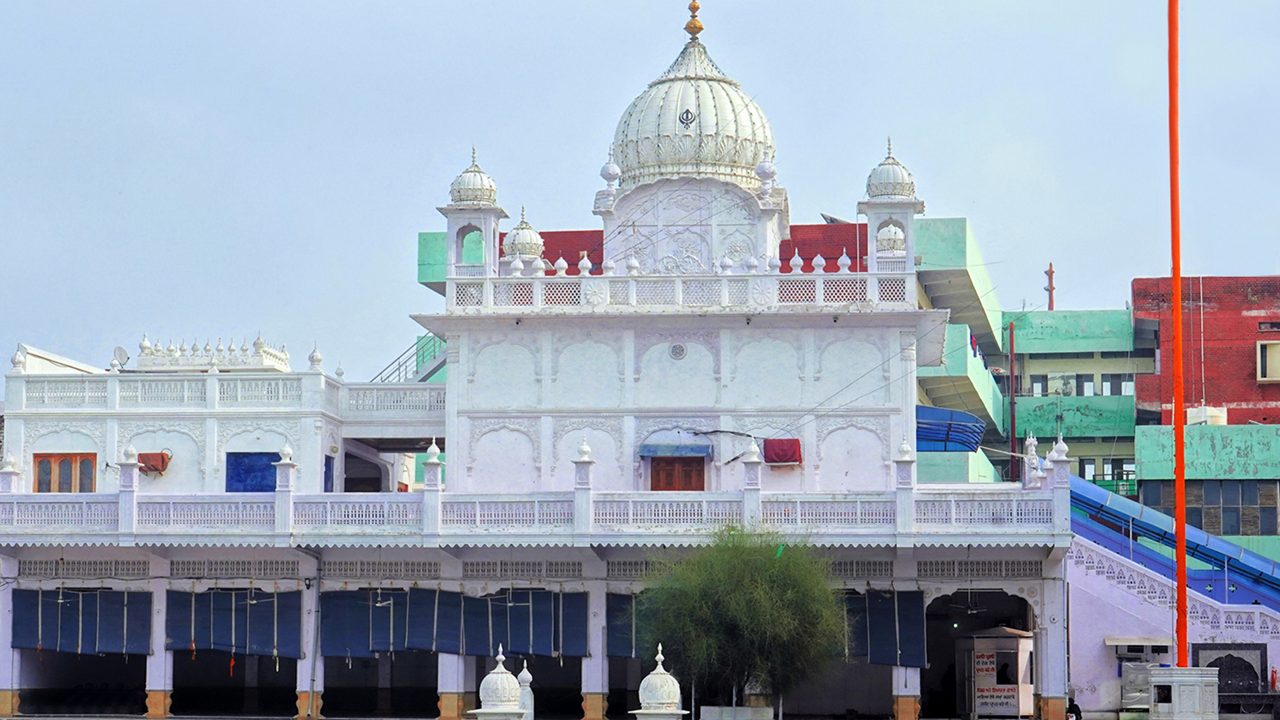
994	674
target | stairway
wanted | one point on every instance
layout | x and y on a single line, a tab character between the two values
417	363
1115	601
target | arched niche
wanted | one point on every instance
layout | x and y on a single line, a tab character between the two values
668	372
505	377
504	462
586	375
766	374
852	460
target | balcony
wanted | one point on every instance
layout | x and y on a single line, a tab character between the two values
963	382
1076	416
367	410
431	518
575	294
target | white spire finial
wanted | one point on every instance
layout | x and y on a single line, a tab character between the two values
888	142
659	656
473	154
500	657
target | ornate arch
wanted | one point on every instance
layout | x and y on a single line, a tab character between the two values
527	427
228	429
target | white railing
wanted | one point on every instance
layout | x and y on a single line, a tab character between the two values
29	513
668	509
222	511
162	393
260	392
376	399
223	518
988	508
490	513
1131	578
366	511
66	393
408	402
612	292
800	510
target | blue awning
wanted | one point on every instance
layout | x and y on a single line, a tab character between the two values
85	622
943	430
674	450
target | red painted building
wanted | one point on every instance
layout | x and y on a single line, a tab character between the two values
1231	346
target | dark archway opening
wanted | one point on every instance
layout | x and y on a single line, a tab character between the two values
362	476
400	685
952	616
65	683
209	683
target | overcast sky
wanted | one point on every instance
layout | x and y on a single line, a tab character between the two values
196	170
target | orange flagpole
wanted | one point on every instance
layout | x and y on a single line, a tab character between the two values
1179	410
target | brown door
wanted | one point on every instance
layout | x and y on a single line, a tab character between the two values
676	473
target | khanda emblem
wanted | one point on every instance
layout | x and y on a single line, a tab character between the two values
687	117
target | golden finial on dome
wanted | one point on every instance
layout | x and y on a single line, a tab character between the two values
694	26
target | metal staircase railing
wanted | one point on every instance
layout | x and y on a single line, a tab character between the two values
417	363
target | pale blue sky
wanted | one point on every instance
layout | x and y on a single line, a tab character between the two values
204	169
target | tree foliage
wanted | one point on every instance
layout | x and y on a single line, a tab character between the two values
747	609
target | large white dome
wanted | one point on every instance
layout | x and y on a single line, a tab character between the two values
693	121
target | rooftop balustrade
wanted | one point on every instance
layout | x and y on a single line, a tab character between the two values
226	391
431	517
627	293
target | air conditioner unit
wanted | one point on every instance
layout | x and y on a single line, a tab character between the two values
1207	416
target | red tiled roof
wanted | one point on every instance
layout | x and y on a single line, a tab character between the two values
826	239
829	241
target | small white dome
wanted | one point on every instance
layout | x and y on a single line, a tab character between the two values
500	690
610	172
659	690
890	239
473	186
891	180
522	240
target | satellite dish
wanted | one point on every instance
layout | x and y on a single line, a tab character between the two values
121	355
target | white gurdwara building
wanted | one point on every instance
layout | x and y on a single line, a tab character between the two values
212	531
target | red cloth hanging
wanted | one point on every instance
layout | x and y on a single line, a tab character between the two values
782	451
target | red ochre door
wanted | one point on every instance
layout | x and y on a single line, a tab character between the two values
677	473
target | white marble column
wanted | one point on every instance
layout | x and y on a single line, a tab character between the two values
456	684
10	659
160	661
595	667
906	693
1051	650
310	669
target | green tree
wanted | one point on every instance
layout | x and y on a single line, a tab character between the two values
745	609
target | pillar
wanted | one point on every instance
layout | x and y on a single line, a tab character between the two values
595	666
906	693
751	500
10	659
310	685
286	482
582	507
160	661
432	484
1051	651
456	682
384	684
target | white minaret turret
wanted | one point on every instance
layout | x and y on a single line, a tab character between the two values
890	207
473	208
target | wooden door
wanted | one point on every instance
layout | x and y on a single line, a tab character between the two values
677	473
